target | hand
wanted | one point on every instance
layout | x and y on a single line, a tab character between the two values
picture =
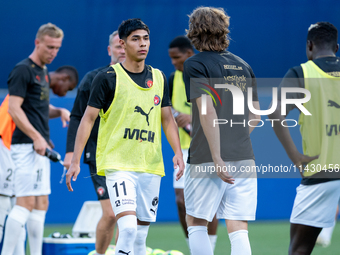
301	160
221	171
40	145
65	116
73	171
67	159
183	120
178	162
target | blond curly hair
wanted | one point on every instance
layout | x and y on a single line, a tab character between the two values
208	29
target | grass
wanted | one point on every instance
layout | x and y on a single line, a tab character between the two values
266	238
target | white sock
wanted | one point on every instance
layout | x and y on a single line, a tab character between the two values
326	234
35	230
212	239
20	247
240	243
127	234
199	241
139	246
99	253
15	223
5	207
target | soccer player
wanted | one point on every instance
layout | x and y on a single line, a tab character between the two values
65	78
180	49
106	224
133	102
319	192
218	146
29	107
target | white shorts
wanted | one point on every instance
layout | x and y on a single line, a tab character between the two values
32	171
6	171
315	205
132	191
205	197
180	183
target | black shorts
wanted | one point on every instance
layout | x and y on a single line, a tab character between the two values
99	183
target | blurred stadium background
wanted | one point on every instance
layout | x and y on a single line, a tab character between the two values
269	35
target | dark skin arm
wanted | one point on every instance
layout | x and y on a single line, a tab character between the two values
287	142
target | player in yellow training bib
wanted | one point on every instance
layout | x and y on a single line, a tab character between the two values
132	100
319	192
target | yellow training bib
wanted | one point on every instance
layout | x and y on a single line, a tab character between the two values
129	136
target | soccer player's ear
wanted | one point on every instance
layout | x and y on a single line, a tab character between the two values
337	48
122	43
310	45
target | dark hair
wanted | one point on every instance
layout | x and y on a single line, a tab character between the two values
71	71
130	25
323	35
182	43
208	29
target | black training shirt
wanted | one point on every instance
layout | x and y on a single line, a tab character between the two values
225	68
31	82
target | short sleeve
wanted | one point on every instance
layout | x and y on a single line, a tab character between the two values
194	76
166	99
18	80
100	88
254	86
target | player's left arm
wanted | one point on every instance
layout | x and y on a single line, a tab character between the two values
171	132
64	114
254	117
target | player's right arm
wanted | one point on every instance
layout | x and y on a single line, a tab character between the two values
21	121
212	133
83	134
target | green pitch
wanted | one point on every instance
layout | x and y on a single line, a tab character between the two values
266	238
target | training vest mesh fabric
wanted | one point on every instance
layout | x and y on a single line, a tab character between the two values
129	136
320	131
179	103
7	125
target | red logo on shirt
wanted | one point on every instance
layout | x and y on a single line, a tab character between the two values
38	78
100	191
149	83
157	100
46	78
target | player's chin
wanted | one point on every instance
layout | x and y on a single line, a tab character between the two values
141	58
49	60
